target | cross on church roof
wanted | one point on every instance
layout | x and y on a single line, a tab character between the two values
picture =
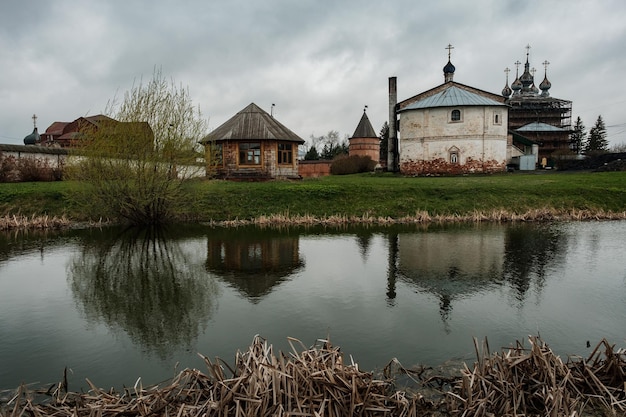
449	48
34	120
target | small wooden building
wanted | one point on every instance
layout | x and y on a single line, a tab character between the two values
252	145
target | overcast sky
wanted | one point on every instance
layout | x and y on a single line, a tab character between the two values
320	62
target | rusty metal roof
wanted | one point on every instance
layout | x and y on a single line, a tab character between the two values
364	129
252	123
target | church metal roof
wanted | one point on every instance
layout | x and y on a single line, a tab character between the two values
539	127
452	97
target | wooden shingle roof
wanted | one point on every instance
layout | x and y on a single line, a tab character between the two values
364	129
252	123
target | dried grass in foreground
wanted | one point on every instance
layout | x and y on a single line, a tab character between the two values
317	382
18	222
423	217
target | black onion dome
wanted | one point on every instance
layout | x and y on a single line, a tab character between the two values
545	84
449	68
33	138
506	91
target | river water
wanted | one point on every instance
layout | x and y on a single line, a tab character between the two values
114	305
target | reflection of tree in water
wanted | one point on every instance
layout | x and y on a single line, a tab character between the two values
392	269
143	282
364	240
529	251
20	242
252	260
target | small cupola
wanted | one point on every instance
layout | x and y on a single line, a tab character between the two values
545	84
506	91
448	69
34	137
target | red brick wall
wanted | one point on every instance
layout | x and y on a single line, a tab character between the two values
442	167
309	169
365	147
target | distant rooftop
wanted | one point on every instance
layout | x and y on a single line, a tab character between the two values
539	127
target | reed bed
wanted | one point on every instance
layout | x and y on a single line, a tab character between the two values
423	217
316	381
18	222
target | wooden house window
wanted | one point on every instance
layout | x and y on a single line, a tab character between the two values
250	153
285	153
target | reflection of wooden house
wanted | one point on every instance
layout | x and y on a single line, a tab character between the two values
252	145
254	265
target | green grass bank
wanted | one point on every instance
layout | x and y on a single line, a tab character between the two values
362	195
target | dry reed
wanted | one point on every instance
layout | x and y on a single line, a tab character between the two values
19	222
316	382
423	217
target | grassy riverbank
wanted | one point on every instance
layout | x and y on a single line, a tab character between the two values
379	196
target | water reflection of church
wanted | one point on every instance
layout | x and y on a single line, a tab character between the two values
460	262
254	264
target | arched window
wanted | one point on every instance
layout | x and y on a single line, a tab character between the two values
497	119
455	115
453	153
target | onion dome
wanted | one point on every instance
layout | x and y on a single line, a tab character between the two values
448	71
33	138
506	91
545	84
534	89
516	86
526	79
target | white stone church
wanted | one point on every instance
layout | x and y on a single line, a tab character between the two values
450	129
